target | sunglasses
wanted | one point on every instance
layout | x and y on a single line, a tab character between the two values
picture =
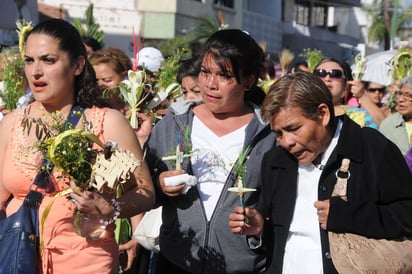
382	90
333	73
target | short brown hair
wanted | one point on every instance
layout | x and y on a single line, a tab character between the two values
302	90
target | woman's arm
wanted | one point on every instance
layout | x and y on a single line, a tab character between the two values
138	194
376	112
358	91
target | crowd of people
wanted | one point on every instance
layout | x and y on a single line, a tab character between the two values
261	165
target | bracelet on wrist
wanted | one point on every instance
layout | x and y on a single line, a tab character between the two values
116	213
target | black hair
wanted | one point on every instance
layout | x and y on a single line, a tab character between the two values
189	67
295	64
87	93
93	43
237	48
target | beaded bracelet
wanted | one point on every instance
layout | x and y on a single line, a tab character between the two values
116	213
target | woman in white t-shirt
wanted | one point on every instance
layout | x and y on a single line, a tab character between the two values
204	139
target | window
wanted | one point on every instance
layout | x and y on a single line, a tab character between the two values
301	15
225	3
309	14
319	16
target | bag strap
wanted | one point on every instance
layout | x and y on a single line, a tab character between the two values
74	116
342	177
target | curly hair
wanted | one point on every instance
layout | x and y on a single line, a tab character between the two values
114	57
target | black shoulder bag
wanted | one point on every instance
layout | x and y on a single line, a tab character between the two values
19	233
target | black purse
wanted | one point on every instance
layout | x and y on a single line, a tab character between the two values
19	233
19	238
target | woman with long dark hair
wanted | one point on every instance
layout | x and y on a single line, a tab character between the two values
61	80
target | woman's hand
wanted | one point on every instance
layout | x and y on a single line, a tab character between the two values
323	212
144	129
171	191
253	226
356	88
130	248
91	202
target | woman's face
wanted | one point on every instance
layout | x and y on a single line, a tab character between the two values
404	102
220	91
304	138
106	76
49	70
375	92
190	88
336	85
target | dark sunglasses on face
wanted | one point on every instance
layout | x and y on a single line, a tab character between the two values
382	90
333	73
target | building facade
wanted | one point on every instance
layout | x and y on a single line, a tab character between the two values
330	26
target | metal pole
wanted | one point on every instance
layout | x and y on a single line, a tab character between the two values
394	23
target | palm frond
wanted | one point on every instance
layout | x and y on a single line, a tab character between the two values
206	27
87	27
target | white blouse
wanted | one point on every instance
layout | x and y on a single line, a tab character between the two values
303	251
212	164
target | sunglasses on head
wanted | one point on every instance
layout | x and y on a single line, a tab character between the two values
333	73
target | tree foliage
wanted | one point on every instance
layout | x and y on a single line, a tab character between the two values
87	27
205	27
381	14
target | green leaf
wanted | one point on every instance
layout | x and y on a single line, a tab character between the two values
90	28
